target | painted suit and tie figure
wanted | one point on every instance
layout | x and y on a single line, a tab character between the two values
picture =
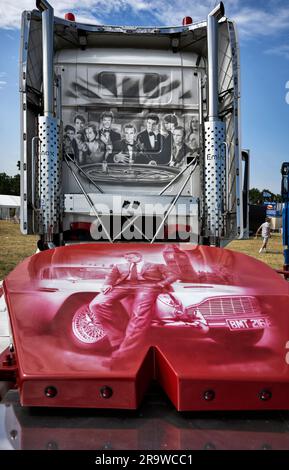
140	281
151	140
128	150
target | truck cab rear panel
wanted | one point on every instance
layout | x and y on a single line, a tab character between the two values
125	76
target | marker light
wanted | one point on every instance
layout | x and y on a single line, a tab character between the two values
50	391
106	392
265	395
69	17
209	395
187	20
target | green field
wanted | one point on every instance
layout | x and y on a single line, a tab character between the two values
274	255
15	247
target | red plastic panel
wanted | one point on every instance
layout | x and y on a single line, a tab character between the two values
199	319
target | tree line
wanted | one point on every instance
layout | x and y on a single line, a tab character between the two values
10	185
257	197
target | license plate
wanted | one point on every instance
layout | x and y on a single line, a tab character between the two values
248	323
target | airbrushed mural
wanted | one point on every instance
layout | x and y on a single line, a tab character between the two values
134	140
101	307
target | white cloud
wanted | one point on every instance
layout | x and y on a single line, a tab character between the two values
3	81
172	13
256	22
10	13
165	12
251	20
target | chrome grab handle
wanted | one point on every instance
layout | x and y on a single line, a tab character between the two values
227	172
33	155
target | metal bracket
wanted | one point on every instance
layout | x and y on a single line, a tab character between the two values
89	200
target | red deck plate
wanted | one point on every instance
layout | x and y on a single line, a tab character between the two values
211	325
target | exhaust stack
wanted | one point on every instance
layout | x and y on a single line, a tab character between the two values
215	167
47	51
49	150
212	39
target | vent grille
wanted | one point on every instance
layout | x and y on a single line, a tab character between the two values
228	306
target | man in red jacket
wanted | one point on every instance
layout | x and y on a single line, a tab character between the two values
143	282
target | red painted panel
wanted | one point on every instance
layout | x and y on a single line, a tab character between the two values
87	315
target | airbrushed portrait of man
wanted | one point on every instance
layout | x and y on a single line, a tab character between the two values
140	281
106	134
170	122
151	140
128	150
180	150
83	151
79	122
69	142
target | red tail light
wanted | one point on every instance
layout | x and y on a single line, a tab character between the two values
69	17
187	20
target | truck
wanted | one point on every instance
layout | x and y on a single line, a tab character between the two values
133	176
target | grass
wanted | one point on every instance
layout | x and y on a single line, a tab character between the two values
274	255
15	247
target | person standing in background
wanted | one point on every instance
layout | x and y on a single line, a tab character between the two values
265	232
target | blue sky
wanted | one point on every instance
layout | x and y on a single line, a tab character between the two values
264	44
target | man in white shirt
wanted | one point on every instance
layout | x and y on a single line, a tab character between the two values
265	232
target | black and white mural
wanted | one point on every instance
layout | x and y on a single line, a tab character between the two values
130	126
102	140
